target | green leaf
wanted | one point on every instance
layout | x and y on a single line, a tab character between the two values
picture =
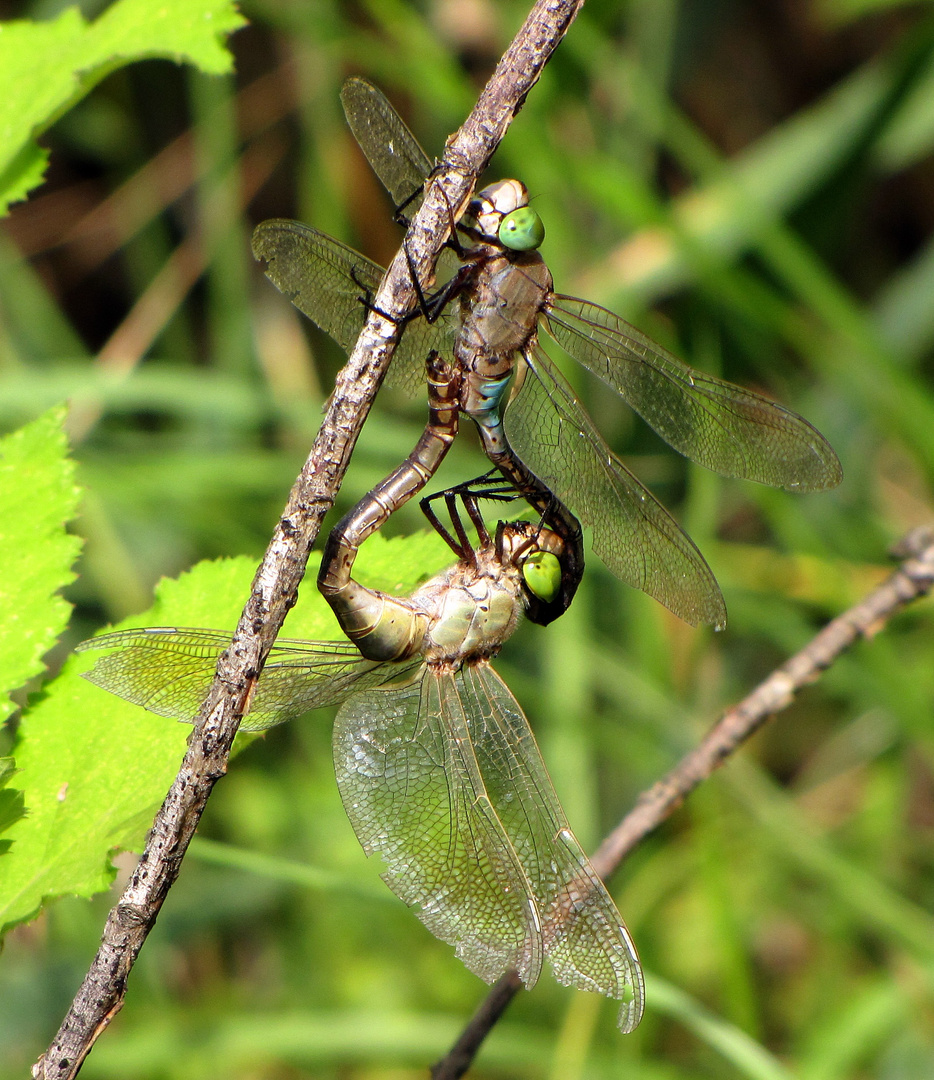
37	496
46	67
837	13
94	769
12	806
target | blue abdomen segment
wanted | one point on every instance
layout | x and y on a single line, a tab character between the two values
484	404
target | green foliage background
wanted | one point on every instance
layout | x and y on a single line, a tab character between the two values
750	184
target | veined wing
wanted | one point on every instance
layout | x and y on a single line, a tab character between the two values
168	670
331	283
391	149
715	423
393	152
634	534
413	791
584	937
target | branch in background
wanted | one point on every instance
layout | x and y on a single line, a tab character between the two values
911	581
275	587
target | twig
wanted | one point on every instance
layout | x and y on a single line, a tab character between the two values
275	587
913	579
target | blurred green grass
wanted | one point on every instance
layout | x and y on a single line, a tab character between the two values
752	186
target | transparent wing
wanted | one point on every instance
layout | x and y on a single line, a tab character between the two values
331	284
168	670
715	423
585	940
391	149
412	789
393	152
634	534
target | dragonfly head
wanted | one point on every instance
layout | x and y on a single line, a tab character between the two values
541	572
500	214
538	553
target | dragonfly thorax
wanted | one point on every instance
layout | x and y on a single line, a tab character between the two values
499	320
473	621
475	606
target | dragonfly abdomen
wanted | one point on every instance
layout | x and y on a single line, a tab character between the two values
381	626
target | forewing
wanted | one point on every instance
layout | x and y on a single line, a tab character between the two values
325	279
168	670
634	534
333	284
715	423
585	940
391	149
413	792
393	152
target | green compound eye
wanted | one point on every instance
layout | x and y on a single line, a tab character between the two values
541	572
522	230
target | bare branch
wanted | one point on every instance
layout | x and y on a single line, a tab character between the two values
912	580
459	1058
275	586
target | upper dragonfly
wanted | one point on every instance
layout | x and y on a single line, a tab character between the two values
505	294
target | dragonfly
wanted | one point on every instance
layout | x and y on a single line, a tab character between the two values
436	763
529	418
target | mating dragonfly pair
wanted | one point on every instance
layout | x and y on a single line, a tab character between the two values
436	764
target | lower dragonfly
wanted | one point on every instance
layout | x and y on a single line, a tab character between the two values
436	764
504	293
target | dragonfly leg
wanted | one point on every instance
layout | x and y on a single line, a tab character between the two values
432	307
366	300
361	611
469	501
473	512
398	215
435	522
461	546
553	513
470	492
413	277
453	240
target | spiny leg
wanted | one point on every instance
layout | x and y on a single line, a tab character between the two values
553	513
431	307
485	487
